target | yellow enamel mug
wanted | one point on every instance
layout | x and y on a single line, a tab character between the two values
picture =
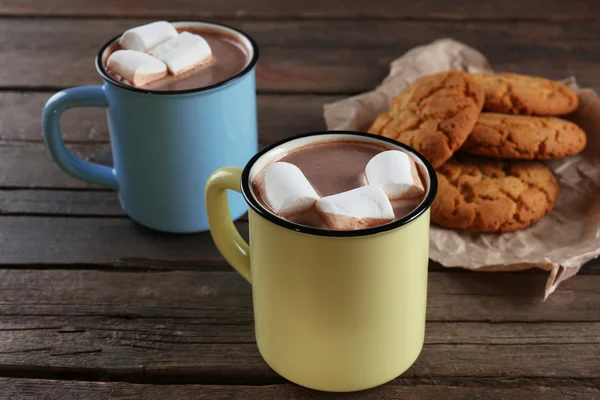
334	310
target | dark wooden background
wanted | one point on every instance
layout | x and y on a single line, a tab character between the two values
94	307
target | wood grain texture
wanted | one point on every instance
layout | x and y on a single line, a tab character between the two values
60	203
21	120
309	56
62	333
279	116
29	165
205	293
38	389
186	325
119	242
388	9
110	241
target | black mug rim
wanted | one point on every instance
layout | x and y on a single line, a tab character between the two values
413	215
242	73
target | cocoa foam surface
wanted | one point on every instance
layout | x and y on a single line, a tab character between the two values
331	168
229	57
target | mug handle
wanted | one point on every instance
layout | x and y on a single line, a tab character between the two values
85	96
227	238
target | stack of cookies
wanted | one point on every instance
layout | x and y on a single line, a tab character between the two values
492	183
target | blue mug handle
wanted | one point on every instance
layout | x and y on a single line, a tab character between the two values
85	96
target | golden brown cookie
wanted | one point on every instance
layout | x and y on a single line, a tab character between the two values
523	137
523	94
482	195
434	115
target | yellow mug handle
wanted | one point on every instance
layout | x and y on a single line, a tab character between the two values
224	233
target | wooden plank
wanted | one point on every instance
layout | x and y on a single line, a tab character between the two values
60	203
120	242
467	9
29	165
38	389
21	119
310	56
279	116
197	325
111	241
205	293
64	332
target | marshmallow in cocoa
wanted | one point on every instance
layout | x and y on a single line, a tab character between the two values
146	37
183	52
358	208
286	189
136	67
396	173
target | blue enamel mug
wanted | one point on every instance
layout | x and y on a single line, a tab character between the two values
165	144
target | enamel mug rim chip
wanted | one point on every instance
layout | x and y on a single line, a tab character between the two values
360	136
249	66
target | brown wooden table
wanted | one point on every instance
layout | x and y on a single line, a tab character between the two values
95	307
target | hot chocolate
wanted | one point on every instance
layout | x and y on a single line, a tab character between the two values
335	170
229	57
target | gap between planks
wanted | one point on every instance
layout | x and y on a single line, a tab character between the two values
299	18
448	389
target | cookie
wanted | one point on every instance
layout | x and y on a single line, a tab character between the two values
483	195
523	137
527	95
434	115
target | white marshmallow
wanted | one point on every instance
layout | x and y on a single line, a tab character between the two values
396	173
136	67
362	179
358	208
146	37
287	190
183	52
